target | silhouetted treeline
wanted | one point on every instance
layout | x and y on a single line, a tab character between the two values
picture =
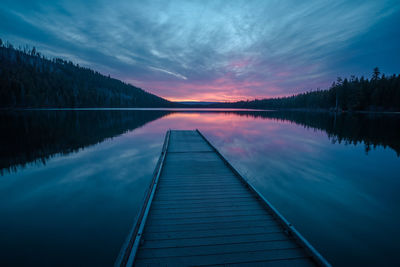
380	93
28	79
372	130
37	135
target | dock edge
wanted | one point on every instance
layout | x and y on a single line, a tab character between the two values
128	250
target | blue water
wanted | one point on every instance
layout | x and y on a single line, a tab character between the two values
72	181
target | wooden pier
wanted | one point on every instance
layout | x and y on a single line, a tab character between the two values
200	211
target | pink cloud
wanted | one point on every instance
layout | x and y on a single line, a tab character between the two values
239	79
221	89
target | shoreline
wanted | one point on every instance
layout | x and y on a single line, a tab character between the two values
205	109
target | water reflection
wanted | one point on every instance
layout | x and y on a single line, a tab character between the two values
76	209
36	136
352	128
79	177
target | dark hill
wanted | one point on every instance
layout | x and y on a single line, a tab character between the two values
27	79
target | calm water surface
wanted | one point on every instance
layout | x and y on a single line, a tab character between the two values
72	181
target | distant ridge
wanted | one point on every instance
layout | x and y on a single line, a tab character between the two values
28	79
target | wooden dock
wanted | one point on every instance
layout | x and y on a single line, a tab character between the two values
200	211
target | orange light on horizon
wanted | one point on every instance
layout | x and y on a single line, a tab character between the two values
212	97
223	89
216	99
173	99
207	97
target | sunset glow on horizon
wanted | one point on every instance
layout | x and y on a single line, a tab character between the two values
213	50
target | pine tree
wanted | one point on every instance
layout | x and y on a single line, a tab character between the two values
376	73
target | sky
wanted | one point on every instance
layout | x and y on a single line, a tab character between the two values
213	50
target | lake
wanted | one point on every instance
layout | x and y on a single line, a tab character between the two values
72	180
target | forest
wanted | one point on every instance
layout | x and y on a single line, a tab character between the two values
30	80
379	93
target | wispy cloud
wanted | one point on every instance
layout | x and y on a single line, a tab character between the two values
169	72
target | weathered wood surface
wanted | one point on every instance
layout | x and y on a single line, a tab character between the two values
203	214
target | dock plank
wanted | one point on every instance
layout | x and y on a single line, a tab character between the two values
218	240
226	258
212	225
216	249
216	219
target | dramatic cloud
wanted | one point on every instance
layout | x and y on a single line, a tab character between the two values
213	50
